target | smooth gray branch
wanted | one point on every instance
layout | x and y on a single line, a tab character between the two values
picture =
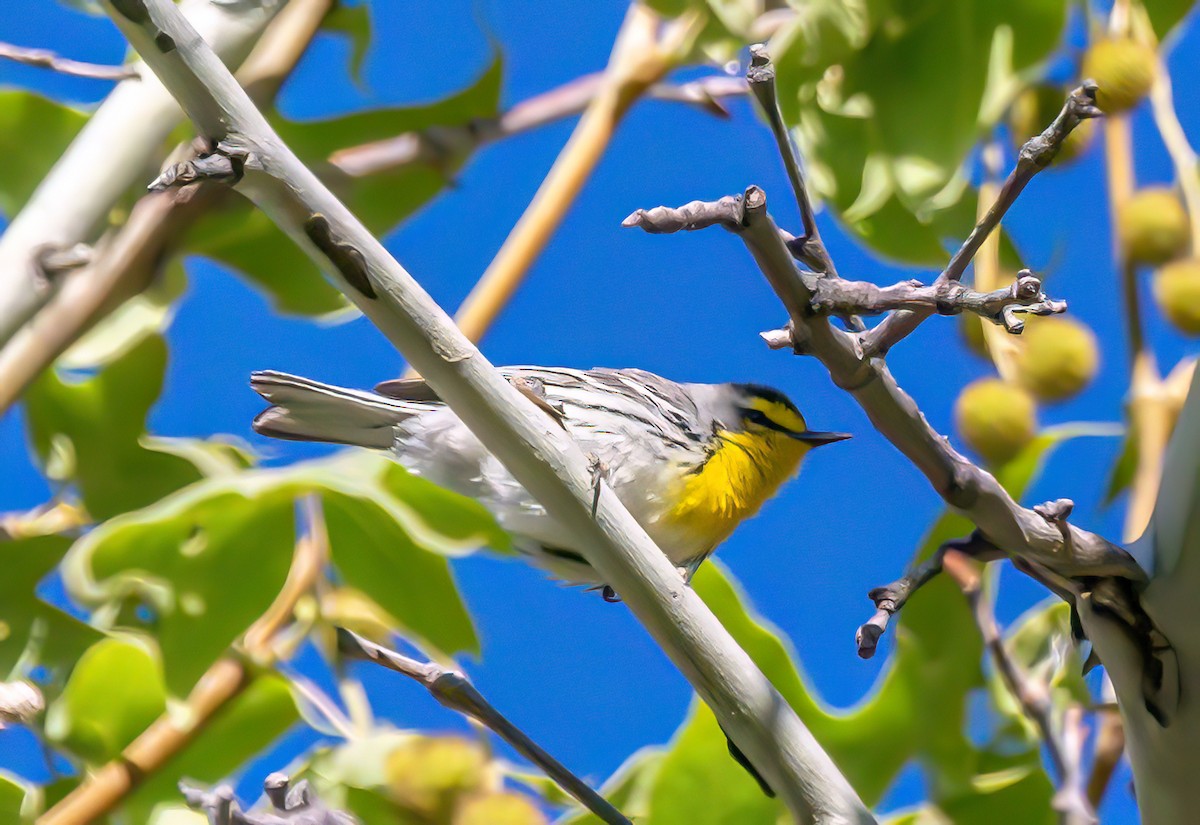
290	805
452	689
45	59
539	454
1035	155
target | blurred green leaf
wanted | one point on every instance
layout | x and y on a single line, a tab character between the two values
208	560
87	432
14	799
246	240
43	633
1166	14
247	726
628	789
355	23
115	691
1121	475
34	132
373	553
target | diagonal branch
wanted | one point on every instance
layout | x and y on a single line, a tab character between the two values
538	454
105	789
441	145
1036	154
104	160
452	689
45	59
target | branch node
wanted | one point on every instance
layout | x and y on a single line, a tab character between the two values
224	164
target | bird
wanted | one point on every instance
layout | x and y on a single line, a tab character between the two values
689	461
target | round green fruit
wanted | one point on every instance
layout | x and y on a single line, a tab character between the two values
1059	358
500	808
1153	226
1123	70
995	418
1177	291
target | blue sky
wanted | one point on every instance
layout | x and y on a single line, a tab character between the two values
581	675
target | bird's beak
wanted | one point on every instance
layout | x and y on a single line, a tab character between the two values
815	438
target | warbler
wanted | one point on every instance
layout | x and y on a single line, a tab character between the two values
689	461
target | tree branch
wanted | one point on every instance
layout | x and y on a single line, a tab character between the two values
104	789
1036	154
104	160
638	61
1063	746
541	457
452	689
45	59
127	260
439	146
890	598
297	803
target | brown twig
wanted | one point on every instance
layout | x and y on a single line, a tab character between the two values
440	145
638	61
1036	154
890	598
42	58
1109	746
1063	746
172	732
452	689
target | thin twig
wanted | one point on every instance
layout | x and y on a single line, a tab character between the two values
638	61
1036	154
439	146
1109	746
761	78
104	789
452	689
890	598
1063	746
542	458
1002	349
45	59
293	804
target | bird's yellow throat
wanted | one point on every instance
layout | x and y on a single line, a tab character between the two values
745	470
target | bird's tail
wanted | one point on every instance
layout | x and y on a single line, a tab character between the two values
307	410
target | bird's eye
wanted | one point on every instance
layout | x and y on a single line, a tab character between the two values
757	417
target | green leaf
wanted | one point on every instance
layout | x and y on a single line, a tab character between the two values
1165	15
698	781
628	789
34	132
1121	475
210	558
373	553
15	798
244	239
206	562
114	693
355	23
87	432
33	632
258	716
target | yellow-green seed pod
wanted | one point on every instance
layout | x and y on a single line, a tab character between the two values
1177	291
429	773
498	809
1153	226
995	418
1123	70
1058	359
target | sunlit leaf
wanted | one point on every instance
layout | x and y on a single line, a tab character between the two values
15	796
115	691
34	132
88	432
355	23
